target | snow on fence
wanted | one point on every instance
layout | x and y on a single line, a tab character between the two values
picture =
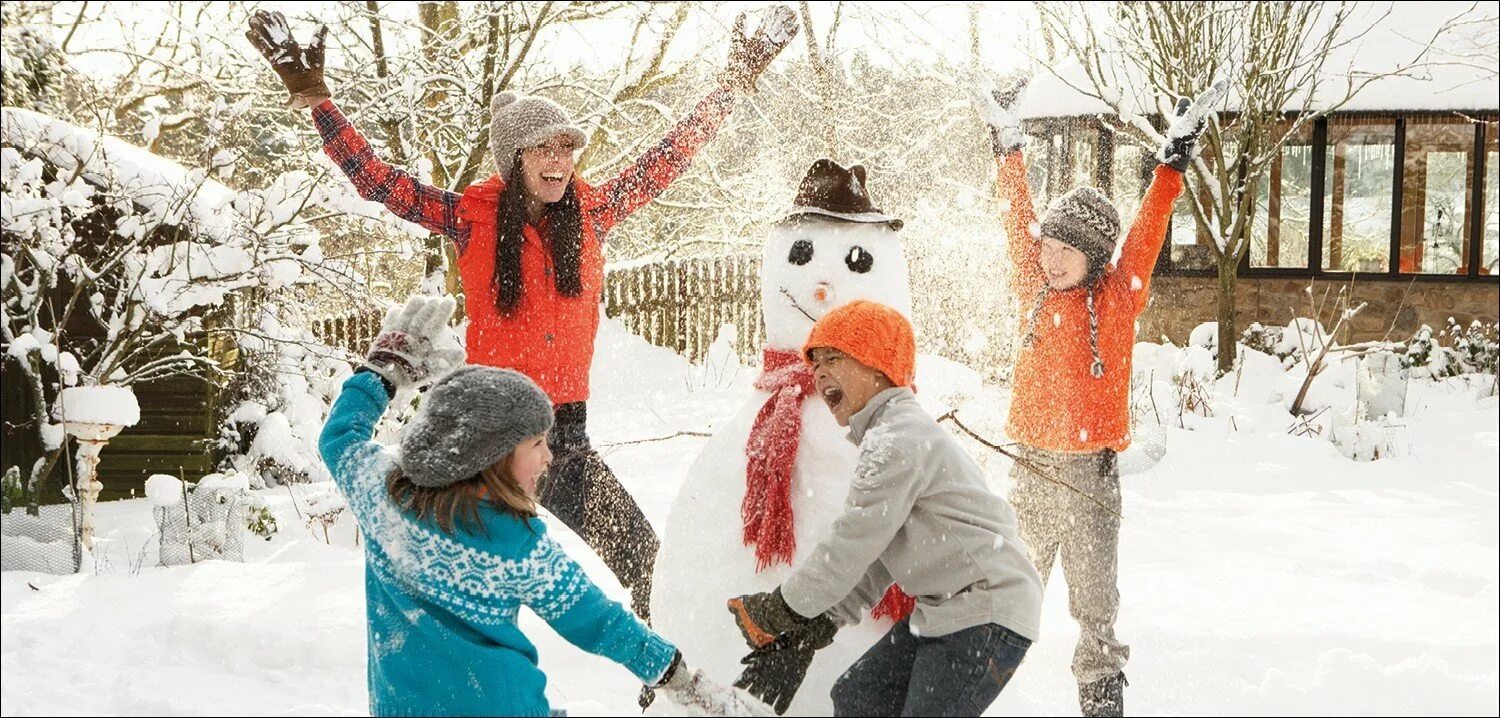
353	331
681	303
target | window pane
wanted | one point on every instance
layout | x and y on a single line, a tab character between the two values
1083	154
1283	206
1127	178
1192	249
1491	199
1360	171
1043	154
1436	191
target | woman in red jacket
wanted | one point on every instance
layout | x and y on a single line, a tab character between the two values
530	254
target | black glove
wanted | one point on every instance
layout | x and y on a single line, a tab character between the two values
764	617
1188	124
774	673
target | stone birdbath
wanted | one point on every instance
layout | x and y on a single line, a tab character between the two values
93	415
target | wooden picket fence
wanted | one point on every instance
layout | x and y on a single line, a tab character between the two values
679	304
353	331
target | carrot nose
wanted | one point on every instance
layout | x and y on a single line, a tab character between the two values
823	292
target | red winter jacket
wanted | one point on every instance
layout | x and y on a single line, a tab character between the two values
549	337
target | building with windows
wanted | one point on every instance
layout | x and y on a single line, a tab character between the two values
1395	195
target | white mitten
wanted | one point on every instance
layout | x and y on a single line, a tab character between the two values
700	695
415	343
996	107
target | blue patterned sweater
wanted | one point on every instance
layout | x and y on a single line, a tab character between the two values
442	608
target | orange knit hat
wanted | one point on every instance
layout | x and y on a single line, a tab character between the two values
873	333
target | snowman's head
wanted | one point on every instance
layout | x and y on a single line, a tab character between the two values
813	264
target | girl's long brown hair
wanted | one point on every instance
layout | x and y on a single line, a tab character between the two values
457	505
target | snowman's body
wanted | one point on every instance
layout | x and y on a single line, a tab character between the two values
808	268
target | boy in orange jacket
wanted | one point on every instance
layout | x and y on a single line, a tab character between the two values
1070	409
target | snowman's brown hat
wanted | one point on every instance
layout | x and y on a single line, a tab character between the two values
830	190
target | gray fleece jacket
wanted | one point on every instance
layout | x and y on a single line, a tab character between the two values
920	515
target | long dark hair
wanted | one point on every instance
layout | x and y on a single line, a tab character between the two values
564	237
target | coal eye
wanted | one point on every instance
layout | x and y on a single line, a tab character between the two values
859	260
802	252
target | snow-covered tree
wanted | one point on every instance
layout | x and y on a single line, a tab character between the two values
1287	63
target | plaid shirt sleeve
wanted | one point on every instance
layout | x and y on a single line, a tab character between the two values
434	208
650	174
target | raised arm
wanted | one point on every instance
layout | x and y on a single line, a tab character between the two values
1018	216
1149	232
414	345
433	208
646	178
1147	235
997	108
649	175
301	70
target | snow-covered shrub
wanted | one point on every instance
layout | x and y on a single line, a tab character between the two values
1300	340
1206	335
1365	440
259	519
1455	350
1262	339
324	508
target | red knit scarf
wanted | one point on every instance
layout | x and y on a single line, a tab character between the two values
772	454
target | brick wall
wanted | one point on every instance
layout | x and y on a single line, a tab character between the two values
1180	303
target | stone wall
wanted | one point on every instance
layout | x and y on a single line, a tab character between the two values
1180	303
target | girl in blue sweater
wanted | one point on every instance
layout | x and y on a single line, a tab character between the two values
454	547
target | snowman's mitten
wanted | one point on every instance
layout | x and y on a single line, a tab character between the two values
415	343
764	617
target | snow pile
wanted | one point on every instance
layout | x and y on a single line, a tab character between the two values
115	405
1411	540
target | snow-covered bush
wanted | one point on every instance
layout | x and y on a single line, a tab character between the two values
1453	351
1365	440
1263	339
282	391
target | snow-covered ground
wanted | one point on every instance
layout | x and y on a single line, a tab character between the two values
1260	573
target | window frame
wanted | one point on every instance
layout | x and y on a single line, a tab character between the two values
1314	260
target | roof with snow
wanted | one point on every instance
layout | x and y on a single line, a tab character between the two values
165	189
1460	78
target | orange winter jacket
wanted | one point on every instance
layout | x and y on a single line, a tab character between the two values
1058	405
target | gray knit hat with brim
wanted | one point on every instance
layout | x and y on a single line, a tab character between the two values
1086	220
518	121
469	420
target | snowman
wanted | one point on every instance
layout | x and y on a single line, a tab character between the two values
767	488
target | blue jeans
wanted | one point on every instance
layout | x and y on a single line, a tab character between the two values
959	674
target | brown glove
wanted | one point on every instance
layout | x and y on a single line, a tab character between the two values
300	68
749	56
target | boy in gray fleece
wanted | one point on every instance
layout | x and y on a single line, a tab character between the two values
920	515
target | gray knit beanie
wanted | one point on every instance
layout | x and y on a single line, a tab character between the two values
1085	220
470	419
518	121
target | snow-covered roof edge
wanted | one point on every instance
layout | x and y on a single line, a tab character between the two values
1452	85
153	182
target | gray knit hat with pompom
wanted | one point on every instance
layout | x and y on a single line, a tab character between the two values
518	121
470	419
